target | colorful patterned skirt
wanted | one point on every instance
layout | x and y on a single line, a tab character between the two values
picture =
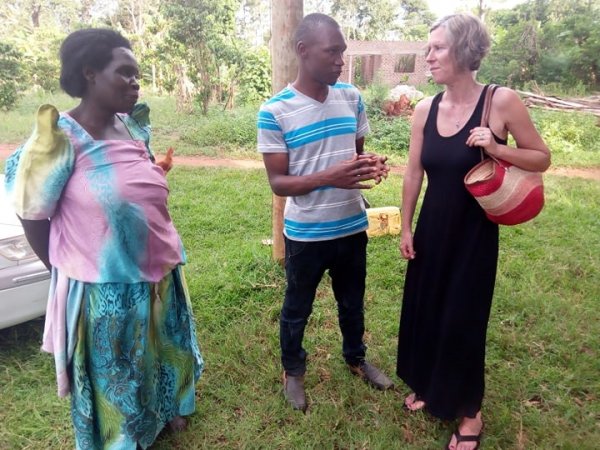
132	357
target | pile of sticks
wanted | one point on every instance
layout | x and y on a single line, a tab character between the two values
588	104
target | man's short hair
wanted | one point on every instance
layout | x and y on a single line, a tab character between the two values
309	25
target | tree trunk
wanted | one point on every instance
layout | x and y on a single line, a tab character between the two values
219	86
35	15
154	90
285	17
183	90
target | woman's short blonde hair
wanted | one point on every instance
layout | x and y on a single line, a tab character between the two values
468	38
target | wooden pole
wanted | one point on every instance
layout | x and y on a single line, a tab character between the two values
285	17
350	70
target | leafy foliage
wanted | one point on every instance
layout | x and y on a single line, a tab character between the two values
546	41
10	73
201	34
236	128
570	136
383	19
41	69
255	77
374	96
389	136
214	48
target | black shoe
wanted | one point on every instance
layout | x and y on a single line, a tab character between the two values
293	390
372	375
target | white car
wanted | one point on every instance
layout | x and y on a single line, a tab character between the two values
24	280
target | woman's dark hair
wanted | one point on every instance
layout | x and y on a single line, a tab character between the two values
91	47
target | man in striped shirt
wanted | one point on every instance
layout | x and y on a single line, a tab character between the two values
311	135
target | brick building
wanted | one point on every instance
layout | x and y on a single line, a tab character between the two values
387	62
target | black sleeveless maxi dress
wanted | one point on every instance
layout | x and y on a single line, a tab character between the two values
449	285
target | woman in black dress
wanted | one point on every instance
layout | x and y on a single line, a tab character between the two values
453	253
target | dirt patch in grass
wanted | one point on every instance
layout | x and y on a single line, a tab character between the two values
589	173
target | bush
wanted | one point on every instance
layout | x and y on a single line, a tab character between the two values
40	63
8	94
234	128
389	135
255	79
557	89
374	97
237	129
10	74
567	134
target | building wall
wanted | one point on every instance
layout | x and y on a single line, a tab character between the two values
368	61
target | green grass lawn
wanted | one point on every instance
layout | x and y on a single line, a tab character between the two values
543	341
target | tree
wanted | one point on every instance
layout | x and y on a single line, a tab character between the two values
382	19
416	20
571	44
366	20
548	41
202	34
35	28
253	22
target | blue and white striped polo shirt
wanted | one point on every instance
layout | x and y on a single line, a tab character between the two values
316	135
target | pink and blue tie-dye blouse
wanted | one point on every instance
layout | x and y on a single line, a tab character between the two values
106	199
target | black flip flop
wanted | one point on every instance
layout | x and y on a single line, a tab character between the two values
466	438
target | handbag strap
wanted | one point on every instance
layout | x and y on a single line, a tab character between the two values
487	107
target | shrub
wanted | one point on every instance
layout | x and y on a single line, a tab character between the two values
569	133
224	129
40	63
10	74
255	78
389	135
374	97
237	129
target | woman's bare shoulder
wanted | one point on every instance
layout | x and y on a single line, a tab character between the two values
422	110
425	104
505	97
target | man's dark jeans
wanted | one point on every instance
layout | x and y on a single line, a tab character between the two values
305	264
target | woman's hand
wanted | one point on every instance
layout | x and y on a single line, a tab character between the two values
406	245
166	163
508	115
483	137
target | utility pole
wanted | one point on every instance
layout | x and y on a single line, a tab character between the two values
480	9
285	17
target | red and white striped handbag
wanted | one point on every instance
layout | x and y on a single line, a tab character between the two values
508	194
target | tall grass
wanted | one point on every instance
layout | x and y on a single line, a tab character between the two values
542	351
